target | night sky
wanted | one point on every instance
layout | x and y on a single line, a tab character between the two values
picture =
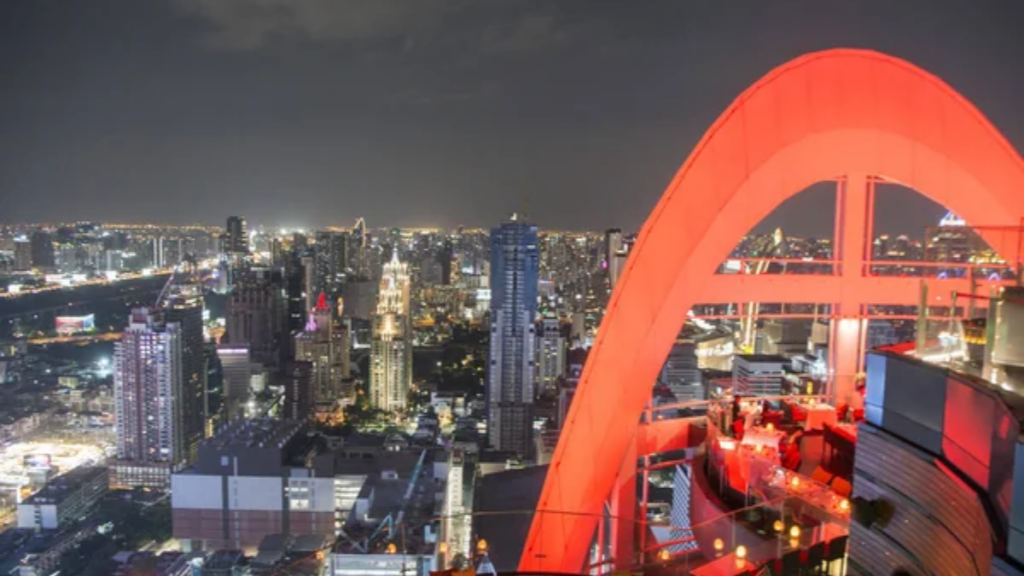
408	112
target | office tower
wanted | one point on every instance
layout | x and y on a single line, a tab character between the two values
510	371
169	251
615	251
327	349
236	236
391	349
295	294
236	370
256	316
758	374
22	254
184	306
331	260
147	385
299	395
43	255
681	372
550	354
309	280
444	258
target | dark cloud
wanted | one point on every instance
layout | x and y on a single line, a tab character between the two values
315	112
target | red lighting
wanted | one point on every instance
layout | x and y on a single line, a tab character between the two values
847	115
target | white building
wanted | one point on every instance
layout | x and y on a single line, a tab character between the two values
391	349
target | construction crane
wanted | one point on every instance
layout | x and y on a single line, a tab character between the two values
767	249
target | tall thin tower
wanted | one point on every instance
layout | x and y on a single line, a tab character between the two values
511	371
391	350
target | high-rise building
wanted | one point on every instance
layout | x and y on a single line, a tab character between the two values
616	249
550	354
299	395
147	384
681	372
22	254
331	260
184	306
43	253
236	236
510	371
444	257
326	347
256	316
295	293
236	371
391	349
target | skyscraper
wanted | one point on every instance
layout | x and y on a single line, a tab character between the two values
43	254
331	260
550	354
147	390
510	370
444	258
22	254
184	307
236	237
327	348
615	250
256	316
391	349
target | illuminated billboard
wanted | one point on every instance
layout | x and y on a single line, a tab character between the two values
74	324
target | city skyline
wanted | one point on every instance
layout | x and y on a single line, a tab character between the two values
190	113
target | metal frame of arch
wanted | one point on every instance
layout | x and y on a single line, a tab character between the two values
839	114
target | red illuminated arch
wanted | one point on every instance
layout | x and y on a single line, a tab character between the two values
824	115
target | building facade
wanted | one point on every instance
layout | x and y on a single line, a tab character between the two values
64	500
236	237
391	349
148	383
184	306
551	347
511	373
256	315
251	480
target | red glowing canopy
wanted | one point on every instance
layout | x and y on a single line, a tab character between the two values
822	116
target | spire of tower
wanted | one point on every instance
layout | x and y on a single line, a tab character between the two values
321	302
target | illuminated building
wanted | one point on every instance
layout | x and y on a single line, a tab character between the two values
391	349
327	348
65	500
550	354
254	478
236	370
330	261
615	250
147	380
511	373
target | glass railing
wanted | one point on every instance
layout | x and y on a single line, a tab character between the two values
741	541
